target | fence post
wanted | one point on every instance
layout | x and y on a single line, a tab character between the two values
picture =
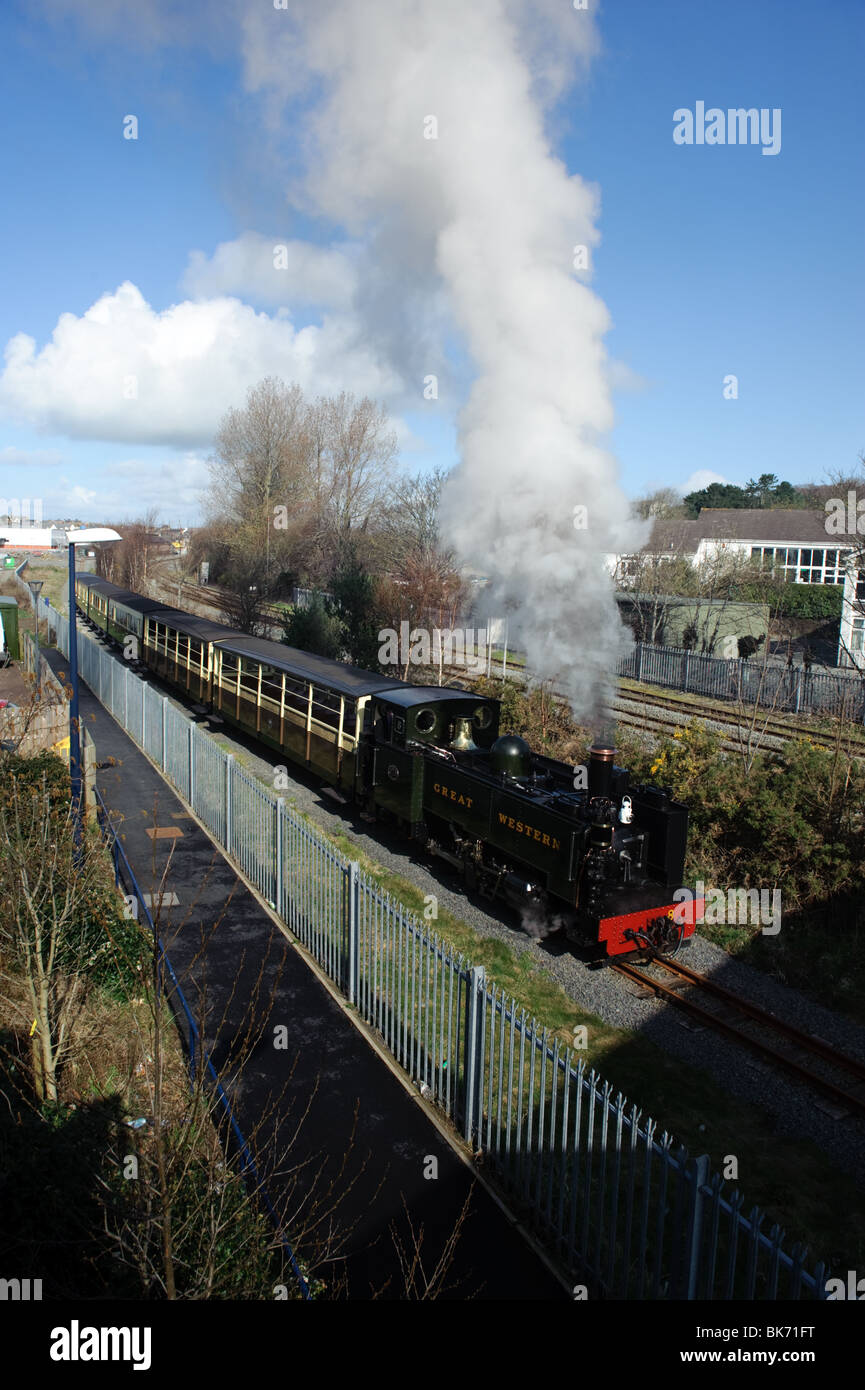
698	1178
353	929
126	700
144	715
164	730
687	668
280	822
229	759
191	767
639	661
798	691
473	1049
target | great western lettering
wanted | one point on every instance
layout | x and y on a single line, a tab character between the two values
452	795
522	829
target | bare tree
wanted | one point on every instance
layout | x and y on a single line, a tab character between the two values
664	502
128	562
355	451
48	873
261	462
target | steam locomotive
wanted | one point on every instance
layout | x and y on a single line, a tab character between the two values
600	861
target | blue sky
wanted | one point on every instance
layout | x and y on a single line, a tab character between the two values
712	261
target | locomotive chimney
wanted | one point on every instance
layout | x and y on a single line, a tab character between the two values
601	759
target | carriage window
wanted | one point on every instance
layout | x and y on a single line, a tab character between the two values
271	683
325	706
249	675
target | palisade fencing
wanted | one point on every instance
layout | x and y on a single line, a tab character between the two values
792	689
595	1179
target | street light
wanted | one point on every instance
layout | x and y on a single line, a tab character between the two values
73	538
35	587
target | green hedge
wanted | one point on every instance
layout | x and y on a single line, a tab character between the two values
796	600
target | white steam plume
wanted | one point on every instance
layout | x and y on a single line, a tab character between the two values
476	229
486	210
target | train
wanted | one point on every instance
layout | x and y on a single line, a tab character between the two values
591	855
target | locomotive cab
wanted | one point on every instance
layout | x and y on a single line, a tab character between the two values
435	717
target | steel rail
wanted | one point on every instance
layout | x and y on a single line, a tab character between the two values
758	1015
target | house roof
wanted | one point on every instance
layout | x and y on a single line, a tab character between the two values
770	525
792	524
677	536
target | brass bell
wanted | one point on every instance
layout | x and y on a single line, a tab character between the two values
462	740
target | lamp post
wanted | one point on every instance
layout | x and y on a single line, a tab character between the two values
35	587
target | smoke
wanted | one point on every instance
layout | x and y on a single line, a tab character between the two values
486	212
420	131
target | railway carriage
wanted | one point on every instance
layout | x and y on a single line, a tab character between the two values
179	647
92	594
126	615
305	706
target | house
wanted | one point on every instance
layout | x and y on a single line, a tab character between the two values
712	627
797	544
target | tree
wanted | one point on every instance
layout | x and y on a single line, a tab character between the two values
295	482
261	463
760	491
246	596
353	602
314	629
127	562
58	924
663	503
765	491
355	454
426	586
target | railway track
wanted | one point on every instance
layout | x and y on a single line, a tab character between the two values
655	713
766	733
811	1060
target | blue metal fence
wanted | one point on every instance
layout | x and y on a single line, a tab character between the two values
598	1183
772	685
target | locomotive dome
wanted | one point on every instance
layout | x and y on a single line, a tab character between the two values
511	755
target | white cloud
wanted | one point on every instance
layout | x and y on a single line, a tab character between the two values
702	478
123	371
271	270
131	487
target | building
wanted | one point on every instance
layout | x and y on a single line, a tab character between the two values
28	540
797	544
711	627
